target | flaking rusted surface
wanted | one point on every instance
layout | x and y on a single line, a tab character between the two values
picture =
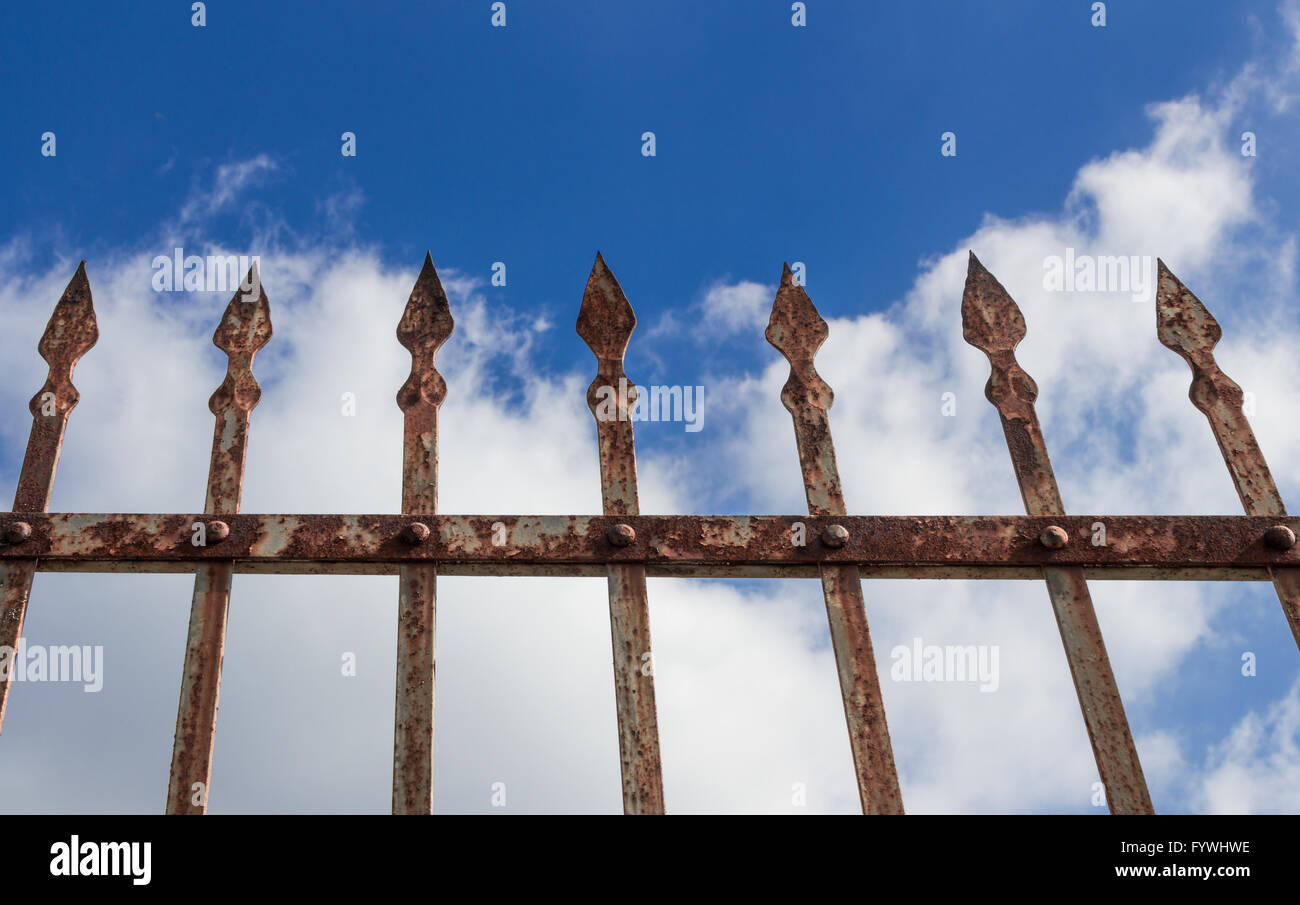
797	331
993	323
605	323
244	329
425	325
1185	325
71	331
279	541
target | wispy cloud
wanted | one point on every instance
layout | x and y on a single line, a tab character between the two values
230	182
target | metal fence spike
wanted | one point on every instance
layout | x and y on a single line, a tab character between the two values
797	330
71	332
1185	325
426	324
605	323
244	329
993	323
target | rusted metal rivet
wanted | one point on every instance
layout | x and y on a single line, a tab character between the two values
18	532
218	530
835	536
1054	537
1280	537
621	535
415	533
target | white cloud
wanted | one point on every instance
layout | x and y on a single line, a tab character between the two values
736	307
1256	769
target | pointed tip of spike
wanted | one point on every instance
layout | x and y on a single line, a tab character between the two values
599	270
991	319
79	282
428	283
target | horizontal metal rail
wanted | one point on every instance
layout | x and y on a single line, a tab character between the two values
1191	547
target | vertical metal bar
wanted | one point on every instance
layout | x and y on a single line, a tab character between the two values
70	333
1185	325
605	323
244	329
425	325
992	322
798	331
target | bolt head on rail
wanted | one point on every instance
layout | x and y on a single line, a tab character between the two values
415	533
17	532
835	536
1280	537
1054	537
621	535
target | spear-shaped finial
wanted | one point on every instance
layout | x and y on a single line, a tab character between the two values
993	323
244	329
1185	325
70	333
606	319
425	325
991	320
797	331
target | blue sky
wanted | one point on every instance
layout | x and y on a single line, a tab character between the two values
522	144
774	143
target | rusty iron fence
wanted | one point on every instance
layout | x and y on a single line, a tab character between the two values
625	546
